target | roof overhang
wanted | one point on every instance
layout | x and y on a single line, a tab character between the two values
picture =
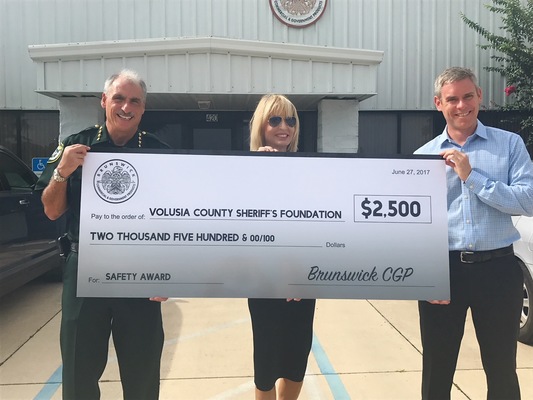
224	74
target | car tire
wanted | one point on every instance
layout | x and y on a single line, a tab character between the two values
526	321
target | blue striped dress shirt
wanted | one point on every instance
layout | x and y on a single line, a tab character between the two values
500	185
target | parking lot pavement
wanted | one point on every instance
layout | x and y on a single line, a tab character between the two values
362	350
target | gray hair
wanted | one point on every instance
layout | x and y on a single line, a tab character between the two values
129	75
451	75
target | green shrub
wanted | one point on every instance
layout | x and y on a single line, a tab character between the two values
514	56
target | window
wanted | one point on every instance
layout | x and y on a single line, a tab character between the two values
13	174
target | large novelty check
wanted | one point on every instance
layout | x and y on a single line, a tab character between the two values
263	225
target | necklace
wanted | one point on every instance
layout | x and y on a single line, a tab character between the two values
139	134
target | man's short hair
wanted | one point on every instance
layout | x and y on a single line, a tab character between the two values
129	75
451	75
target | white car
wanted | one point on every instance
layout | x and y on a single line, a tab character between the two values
524	252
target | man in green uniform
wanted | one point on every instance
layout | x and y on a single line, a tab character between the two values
86	325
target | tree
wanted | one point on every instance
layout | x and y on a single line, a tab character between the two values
514	55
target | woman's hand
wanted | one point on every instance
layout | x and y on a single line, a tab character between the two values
159	299
441	302
266	148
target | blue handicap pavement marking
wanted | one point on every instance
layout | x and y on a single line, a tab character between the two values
336	386
51	386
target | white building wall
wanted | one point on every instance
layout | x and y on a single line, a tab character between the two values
420	38
77	114
338	126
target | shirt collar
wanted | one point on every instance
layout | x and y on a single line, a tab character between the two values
101	135
481	131
102	138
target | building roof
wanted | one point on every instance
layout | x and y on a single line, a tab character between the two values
209	72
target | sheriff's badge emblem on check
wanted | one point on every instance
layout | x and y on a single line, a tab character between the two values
116	181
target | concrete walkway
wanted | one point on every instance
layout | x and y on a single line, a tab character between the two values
362	350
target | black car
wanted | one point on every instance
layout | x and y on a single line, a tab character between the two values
28	239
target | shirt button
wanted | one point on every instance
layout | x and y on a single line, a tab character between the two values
470	246
467	221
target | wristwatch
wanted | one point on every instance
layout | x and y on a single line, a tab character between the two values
57	177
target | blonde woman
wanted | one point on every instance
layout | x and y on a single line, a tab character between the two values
282	328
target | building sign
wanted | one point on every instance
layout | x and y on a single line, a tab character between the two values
211	117
298	13
38	164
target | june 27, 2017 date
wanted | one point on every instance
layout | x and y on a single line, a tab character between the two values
411	171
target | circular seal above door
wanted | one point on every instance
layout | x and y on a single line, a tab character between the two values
298	13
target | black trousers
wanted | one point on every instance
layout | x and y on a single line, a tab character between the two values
86	325
493	292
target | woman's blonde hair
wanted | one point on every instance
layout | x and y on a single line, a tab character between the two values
272	105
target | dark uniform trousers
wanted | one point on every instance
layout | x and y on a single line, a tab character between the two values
493	292
86	325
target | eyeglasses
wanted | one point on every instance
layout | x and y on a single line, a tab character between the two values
275	121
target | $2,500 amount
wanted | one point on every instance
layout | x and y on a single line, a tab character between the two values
391	209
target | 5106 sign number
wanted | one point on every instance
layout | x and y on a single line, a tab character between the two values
377	208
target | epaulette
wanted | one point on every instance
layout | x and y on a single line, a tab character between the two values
58	152
153	137
86	130
91	128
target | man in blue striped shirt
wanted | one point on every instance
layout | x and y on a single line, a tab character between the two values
489	177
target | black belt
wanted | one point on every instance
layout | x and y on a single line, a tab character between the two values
471	257
74	247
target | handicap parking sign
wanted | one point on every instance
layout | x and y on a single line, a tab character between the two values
38	164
